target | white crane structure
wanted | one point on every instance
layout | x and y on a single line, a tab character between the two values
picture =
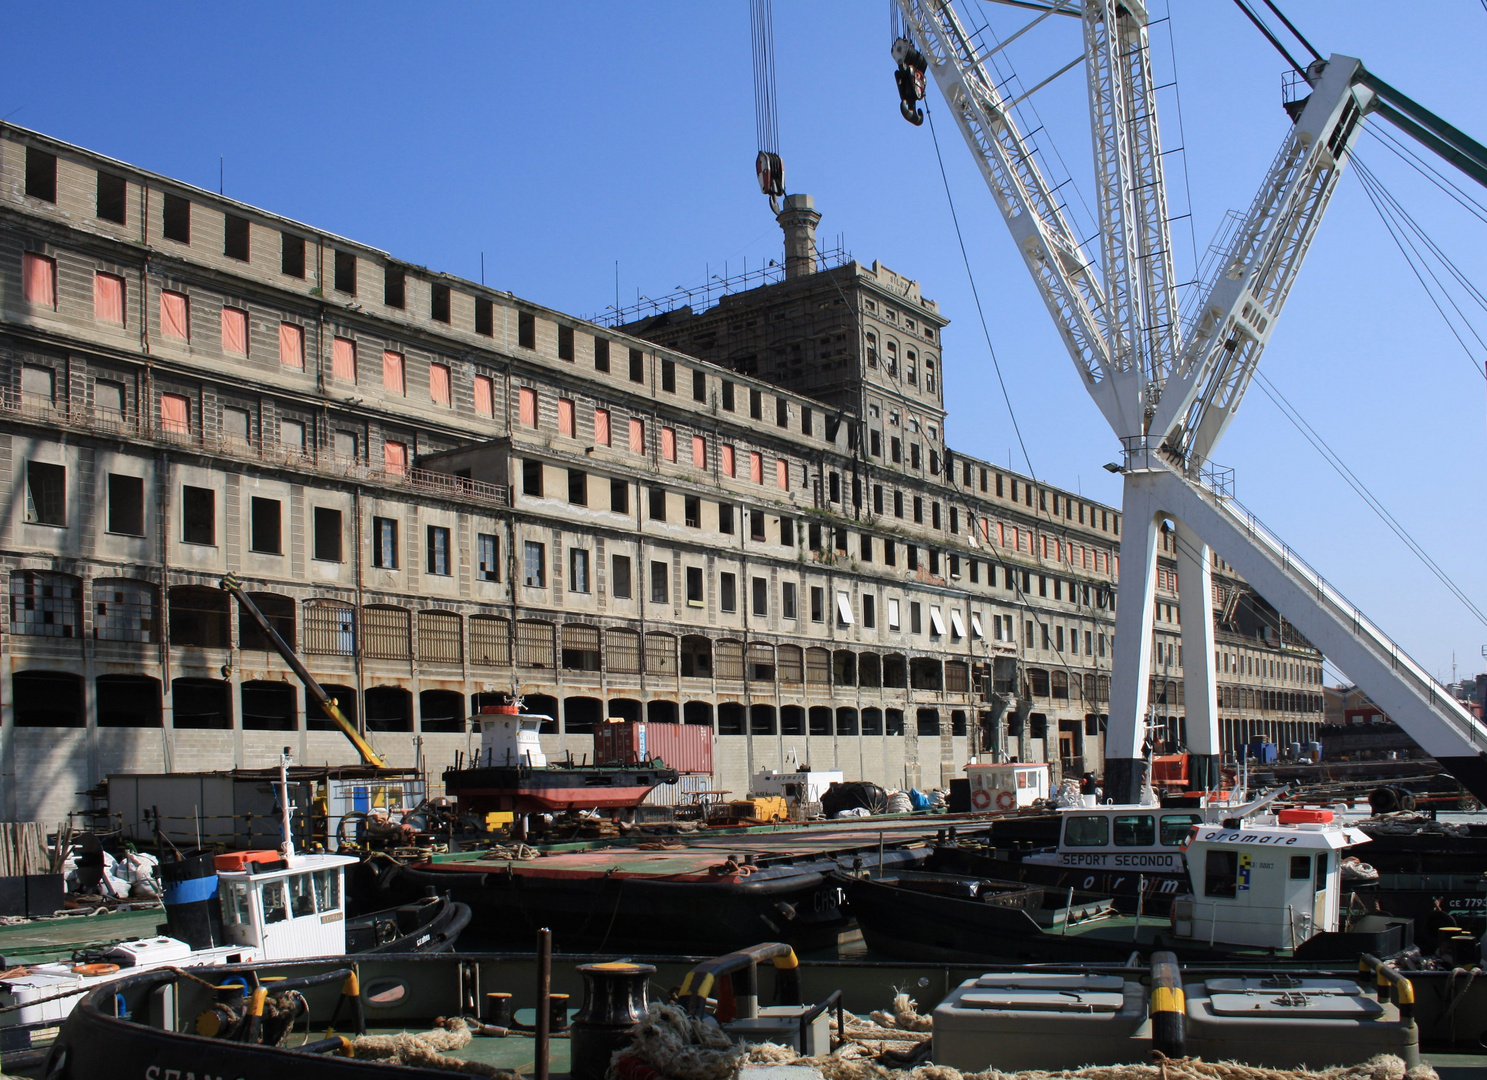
1169	394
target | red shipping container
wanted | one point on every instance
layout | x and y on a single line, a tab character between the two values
687	748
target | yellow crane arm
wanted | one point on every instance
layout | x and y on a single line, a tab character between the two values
234	587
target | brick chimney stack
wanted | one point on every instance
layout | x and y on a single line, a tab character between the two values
799	220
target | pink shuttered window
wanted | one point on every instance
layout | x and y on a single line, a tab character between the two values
39	279
637	436
986	530
1001	534
439	386
485	398
395	457
782	474
343	359
526	404
392	373
565	417
175	413
756	466
1117	567
235	331
668	443
292	346
175	316
728	466
699	452
601	427
108	298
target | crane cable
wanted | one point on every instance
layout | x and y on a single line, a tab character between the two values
1400	224
769	169
766	105
1351	478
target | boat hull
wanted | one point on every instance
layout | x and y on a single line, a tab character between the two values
521	790
908	923
798	903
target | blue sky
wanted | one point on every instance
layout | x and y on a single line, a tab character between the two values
559	138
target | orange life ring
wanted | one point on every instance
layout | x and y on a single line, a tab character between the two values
1006	800
94	969
980	798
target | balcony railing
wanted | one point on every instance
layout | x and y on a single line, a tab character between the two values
323	463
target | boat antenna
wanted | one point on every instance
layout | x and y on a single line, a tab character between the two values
286	848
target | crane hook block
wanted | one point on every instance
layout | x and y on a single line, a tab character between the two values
910	80
771	172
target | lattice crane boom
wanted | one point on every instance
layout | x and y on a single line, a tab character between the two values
1061	270
1136	245
1237	317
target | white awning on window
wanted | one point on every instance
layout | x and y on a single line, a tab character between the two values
936	622
956	624
844	609
976	625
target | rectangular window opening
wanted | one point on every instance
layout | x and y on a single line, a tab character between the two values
235	237
126	505
266	533
291	255
327	534
112	198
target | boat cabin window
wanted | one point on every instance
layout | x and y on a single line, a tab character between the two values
1300	867
1025	779
1321	870
302	895
1221	873
1175	828
328	889
1086	830
272	898
235	904
1135	830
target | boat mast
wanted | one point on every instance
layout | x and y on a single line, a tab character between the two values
286	846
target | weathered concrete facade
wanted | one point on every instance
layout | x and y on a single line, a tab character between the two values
439	490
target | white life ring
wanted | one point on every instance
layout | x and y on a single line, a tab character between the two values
1005	800
980	798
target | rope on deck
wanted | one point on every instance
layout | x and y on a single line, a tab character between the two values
678	1046
426	1049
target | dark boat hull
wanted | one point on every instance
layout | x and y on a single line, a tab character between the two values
908	923
430	924
799	904
1151	891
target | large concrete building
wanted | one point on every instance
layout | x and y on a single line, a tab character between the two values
744	517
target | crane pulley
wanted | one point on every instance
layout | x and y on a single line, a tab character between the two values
909	78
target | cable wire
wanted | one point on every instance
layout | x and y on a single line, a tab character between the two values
766	106
1342	469
1407	249
1403	151
976	294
